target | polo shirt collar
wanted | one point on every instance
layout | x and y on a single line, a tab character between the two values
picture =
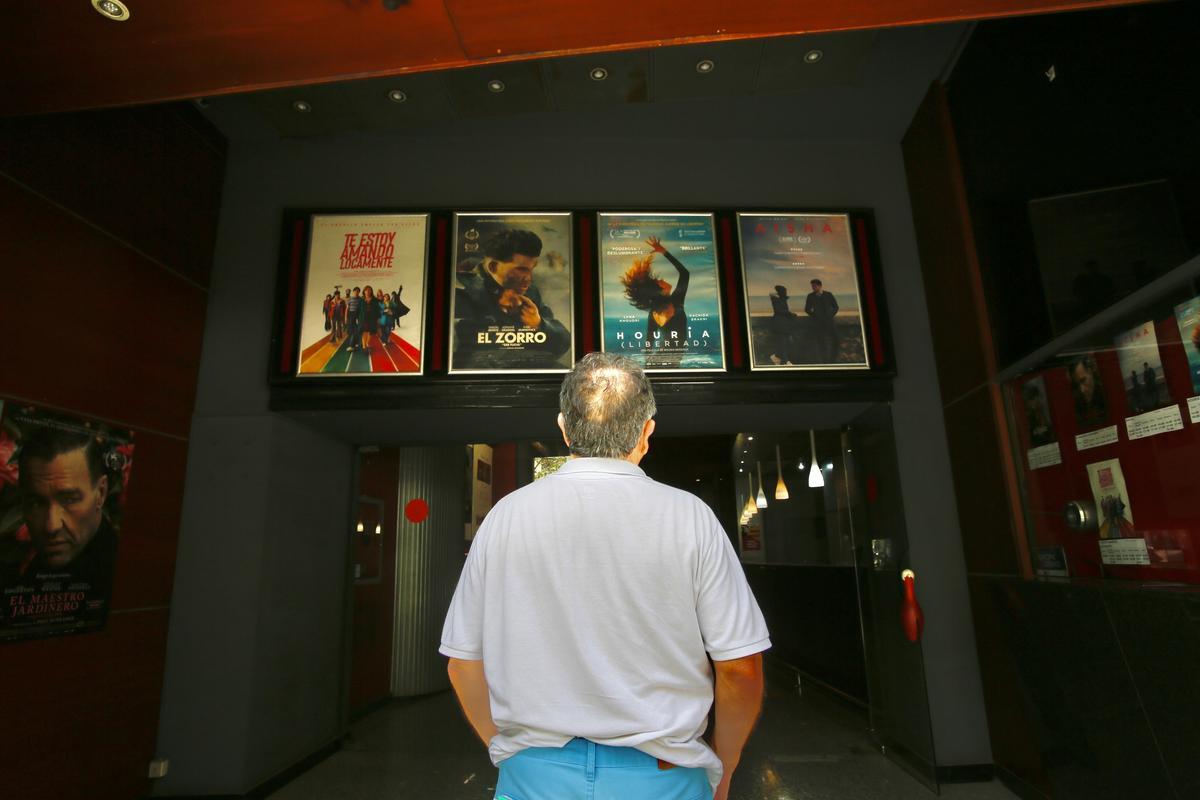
614	466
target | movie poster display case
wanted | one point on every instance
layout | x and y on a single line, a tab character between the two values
1105	427
458	308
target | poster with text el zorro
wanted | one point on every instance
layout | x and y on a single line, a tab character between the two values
363	308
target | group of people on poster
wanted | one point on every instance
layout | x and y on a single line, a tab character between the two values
361	314
512	299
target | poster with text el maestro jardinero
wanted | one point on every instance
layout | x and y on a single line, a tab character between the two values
63	482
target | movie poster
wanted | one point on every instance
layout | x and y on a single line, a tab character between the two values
1037	411
1113	510
1087	390
659	294
1142	370
62	489
1188	316
363	309
803	305
512	307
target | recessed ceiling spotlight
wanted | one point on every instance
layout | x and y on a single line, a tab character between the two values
397	96
112	9
749	438
705	66
598	73
495	86
813	56
303	106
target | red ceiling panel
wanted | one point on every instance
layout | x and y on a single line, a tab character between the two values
62	55
539	26
69	57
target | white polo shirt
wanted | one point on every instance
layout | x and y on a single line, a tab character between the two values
594	598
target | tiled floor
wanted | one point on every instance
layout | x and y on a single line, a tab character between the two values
805	748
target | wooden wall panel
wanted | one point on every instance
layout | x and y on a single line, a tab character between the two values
150	528
92	324
149	176
83	711
958	319
102	257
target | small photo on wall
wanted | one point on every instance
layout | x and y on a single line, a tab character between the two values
1087	390
1141	369
1113	508
1037	411
1188	316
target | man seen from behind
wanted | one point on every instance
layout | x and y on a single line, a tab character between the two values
590	605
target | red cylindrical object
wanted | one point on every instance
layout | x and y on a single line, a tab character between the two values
912	618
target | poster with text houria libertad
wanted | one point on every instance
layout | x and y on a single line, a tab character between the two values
659	291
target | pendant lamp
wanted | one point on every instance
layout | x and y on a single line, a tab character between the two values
750	509
815	479
781	492
760	500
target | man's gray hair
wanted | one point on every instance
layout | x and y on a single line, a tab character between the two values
605	400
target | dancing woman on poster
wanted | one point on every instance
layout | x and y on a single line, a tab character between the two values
666	323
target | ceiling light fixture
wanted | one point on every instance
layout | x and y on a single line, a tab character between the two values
111	9
813	56
705	66
495	86
397	96
303	106
598	73
760	499
815	479
781	492
750	509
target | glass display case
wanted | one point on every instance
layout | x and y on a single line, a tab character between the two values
1105	426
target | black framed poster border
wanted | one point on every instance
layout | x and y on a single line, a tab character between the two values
438	389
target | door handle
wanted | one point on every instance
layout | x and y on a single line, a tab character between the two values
912	618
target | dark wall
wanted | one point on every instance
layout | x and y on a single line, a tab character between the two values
812	613
1117	112
107	222
1074	673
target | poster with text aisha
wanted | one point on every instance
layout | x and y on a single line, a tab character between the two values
362	312
63	482
803	304
659	293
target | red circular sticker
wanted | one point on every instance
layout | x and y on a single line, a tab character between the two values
416	510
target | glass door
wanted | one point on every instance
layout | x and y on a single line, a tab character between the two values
898	700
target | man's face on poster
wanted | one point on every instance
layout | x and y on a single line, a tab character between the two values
62	505
516	274
1084	381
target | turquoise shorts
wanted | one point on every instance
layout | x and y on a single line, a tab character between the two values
583	770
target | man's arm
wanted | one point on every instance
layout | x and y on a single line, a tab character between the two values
470	685
738	695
